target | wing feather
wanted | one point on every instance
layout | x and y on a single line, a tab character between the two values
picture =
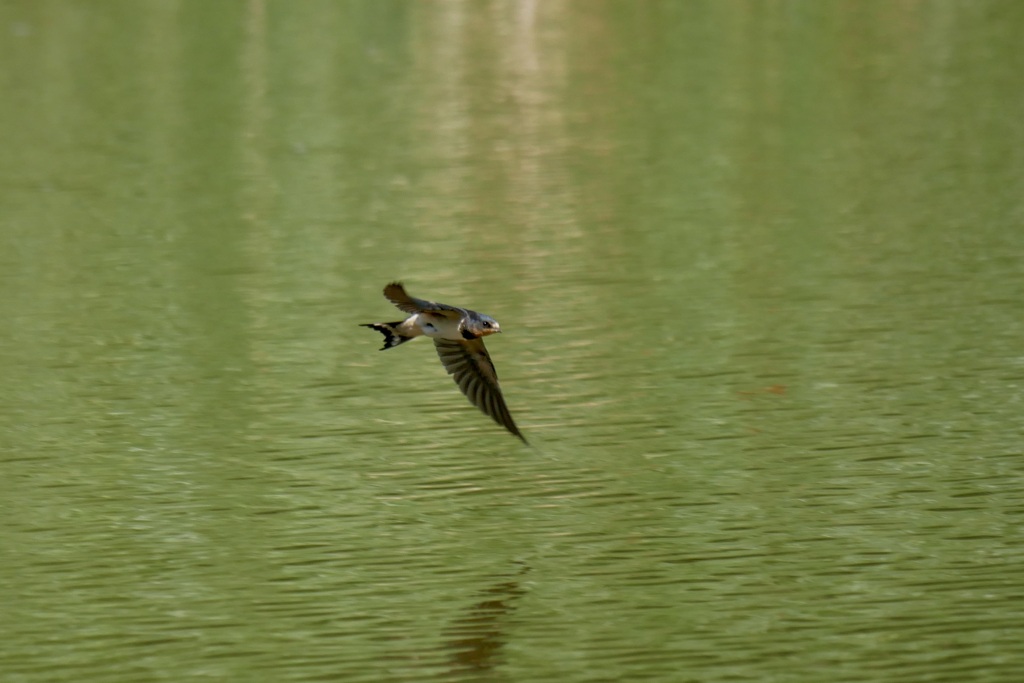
395	293
471	367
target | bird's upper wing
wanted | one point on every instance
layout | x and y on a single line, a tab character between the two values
395	293
474	372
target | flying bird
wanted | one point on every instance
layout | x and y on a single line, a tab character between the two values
458	337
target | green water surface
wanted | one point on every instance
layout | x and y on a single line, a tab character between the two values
760	271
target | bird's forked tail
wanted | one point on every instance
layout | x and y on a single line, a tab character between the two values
392	337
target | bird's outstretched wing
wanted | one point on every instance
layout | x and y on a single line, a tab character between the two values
473	371
395	293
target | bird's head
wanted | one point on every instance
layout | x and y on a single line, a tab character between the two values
483	325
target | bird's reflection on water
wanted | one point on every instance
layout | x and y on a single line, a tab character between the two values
474	641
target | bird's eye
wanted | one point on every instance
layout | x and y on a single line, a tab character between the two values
486	324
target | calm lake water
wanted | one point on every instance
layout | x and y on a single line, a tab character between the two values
760	268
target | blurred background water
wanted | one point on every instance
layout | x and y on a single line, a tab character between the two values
759	267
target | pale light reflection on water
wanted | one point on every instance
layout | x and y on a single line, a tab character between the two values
762	330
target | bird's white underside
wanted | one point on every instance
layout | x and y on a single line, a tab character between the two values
431	326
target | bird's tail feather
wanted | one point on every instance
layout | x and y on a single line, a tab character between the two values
392	337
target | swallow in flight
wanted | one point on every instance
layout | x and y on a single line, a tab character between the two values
458	337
